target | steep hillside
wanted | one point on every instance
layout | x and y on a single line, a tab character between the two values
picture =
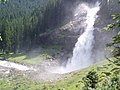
22	23
71	81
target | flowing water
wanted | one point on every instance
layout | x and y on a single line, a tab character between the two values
8	64
82	53
83	48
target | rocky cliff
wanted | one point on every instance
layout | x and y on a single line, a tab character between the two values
67	35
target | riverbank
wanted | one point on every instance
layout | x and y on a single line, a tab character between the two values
34	80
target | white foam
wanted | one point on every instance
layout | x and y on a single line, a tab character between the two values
83	48
13	65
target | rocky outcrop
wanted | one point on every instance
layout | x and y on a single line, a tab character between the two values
67	35
103	37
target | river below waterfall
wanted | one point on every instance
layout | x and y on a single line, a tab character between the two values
82	52
85	16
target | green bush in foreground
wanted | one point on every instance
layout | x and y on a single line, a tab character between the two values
90	80
110	83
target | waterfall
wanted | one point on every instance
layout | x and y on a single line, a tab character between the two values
108	1
83	48
82	53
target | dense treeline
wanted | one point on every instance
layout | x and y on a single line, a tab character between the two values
21	23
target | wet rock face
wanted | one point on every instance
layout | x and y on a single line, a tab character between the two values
66	36
103	37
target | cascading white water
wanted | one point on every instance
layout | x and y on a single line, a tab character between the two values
83	48
108	1
8	64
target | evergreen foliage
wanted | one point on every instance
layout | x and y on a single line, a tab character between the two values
110	83
116	39
90	80
112	80
22	22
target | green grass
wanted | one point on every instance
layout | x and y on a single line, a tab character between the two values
34	56
75	82
19	82
72	82
25	59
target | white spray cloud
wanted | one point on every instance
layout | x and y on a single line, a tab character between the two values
83	48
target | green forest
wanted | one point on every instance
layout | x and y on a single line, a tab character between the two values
22	29
29	58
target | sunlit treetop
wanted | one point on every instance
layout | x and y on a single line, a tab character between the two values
0	37
3	1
